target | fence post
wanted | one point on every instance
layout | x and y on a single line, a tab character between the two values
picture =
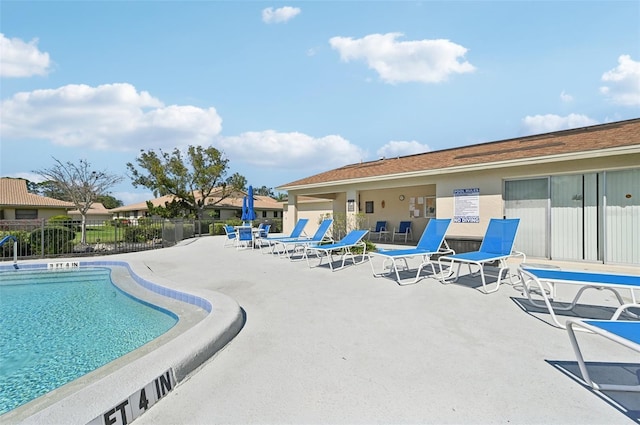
42	238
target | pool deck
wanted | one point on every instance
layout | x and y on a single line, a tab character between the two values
343	347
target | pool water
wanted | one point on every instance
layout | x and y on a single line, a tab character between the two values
56	326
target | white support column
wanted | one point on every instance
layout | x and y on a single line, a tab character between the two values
291	216
351	208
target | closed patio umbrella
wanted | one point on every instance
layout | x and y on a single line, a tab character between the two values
251	214
244	209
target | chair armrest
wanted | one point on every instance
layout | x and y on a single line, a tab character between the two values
622	309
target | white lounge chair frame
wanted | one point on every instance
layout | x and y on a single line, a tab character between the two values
426	248
594	326
490	252
297	232
344	246
541	283
292	245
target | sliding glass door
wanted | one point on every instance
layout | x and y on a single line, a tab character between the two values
578	217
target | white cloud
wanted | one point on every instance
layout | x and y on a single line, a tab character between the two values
32	177
566	97
295	151
20	59
282	14
109	117
623	82
538	124
425	61
401	148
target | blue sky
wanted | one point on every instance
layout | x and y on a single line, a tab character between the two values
288	90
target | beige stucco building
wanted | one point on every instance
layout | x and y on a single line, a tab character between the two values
266	208
576	192
16	203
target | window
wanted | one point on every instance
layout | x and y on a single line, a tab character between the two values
275	214
264	214
26	214
368	207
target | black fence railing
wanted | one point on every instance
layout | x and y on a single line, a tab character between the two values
42	238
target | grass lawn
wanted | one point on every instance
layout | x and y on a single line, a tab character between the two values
102	234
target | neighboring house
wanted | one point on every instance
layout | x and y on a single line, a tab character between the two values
576	192
266	208
97	214
16	203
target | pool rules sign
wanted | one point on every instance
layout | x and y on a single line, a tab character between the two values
139	402
466	205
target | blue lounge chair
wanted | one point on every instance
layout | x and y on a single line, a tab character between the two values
230	235
404	229
380	230
624	332
497	246
431	242
295	233
291	245
344	246
539	285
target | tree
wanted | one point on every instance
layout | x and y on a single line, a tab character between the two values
281	196
49	189
264	191
79	184
109	201
191	180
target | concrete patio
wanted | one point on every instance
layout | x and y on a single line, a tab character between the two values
346	348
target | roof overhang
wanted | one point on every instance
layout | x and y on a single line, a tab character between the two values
572	156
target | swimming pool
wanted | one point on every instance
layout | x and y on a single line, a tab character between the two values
57	325
208	320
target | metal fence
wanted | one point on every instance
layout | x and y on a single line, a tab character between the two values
43	239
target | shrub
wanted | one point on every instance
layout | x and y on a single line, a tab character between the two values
59	218
234	222
189	230
371	247
276	225
23	243
62	220
144	221
139	234
121	222
216	229
57	240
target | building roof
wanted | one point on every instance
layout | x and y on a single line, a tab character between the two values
590	140
95	209
142	206
234	202
14	193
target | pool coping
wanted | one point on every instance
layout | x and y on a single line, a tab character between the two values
182	353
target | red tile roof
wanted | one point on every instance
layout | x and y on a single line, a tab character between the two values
594	138
14	193
95	209
260	202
